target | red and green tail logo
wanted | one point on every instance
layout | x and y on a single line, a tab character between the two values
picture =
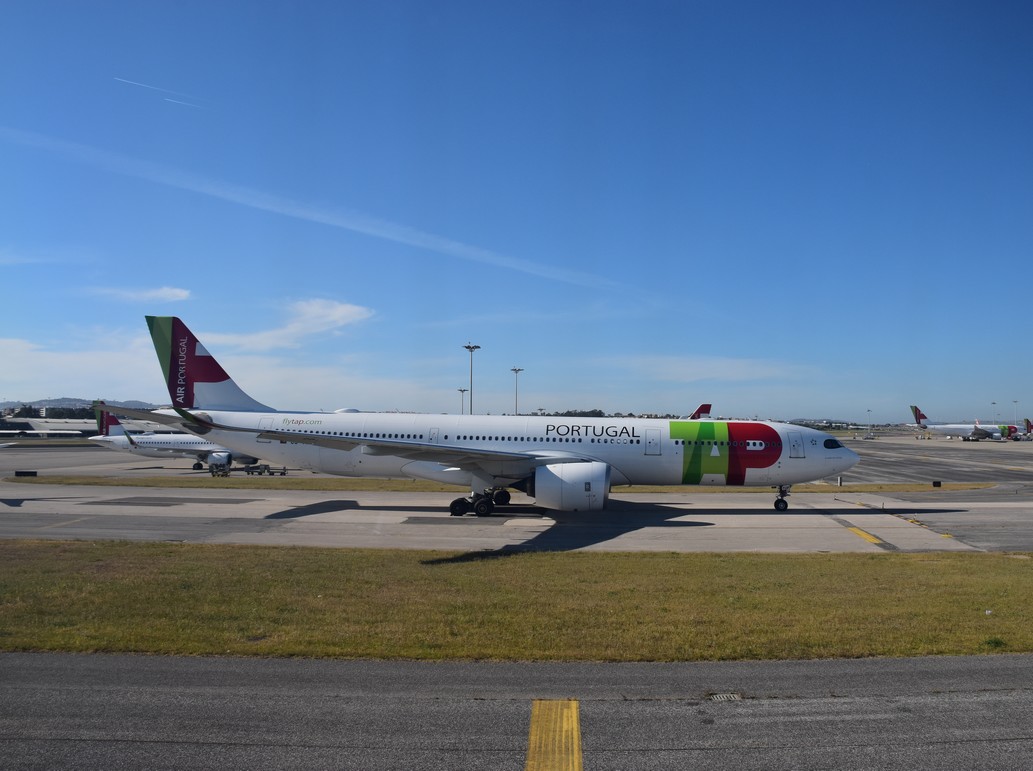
184	361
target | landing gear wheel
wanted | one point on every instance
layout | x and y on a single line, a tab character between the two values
198	466
482	507
460	507
501	497
781	504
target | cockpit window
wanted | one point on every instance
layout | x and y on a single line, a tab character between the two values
832	444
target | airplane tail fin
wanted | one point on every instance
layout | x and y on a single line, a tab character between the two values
108	424
920	416
194	378
1029	425
702	411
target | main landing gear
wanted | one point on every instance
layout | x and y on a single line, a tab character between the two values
781	504
481	504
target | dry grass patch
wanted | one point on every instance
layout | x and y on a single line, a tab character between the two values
200	599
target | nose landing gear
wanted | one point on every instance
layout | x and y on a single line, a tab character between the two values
781	504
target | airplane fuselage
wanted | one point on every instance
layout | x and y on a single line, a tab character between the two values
159	445
638	451
975	431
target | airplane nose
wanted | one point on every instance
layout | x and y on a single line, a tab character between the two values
846	459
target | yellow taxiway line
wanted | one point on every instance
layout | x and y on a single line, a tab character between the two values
554	743
866	536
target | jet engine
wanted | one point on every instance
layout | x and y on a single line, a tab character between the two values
220	459
572	486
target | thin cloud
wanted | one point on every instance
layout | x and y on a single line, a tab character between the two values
161	294
129	371
8	259
344	219
308	317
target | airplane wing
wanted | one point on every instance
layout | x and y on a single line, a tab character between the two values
166	417
978	432
510	463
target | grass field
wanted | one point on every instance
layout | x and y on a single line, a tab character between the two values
204	599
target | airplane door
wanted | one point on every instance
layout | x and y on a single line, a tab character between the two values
264	425
432	436
796	444
653	441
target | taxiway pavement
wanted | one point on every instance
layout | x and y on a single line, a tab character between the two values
996	519
116	711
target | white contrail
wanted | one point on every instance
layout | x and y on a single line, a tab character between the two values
153	88
187	104
338	218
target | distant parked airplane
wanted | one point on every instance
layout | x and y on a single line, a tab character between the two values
702	413
967	431
567	464
165	445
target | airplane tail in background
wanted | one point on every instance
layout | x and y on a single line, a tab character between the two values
108	425
1029	425
702	411
193	376
920	416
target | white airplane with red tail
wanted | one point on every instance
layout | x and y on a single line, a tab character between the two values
565	464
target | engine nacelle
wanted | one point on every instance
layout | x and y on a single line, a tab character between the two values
572	486
220	459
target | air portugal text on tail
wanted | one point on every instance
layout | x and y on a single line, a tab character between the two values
193	376
564	464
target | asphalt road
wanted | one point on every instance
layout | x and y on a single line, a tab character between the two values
73	711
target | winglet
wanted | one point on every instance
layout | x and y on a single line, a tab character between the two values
195	380
919	415
702	411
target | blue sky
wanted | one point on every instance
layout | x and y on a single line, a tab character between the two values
785	209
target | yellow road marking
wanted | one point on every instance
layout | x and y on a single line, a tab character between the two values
866	536
554	743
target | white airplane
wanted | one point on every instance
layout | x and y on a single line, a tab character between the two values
967	431
180	444
565	464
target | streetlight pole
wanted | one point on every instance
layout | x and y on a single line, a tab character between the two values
471	348
869	424
993	407
516	389
462	399
1015	411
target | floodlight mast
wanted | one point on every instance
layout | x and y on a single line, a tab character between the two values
516	389
471	348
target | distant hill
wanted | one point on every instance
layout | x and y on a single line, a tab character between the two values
72	403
